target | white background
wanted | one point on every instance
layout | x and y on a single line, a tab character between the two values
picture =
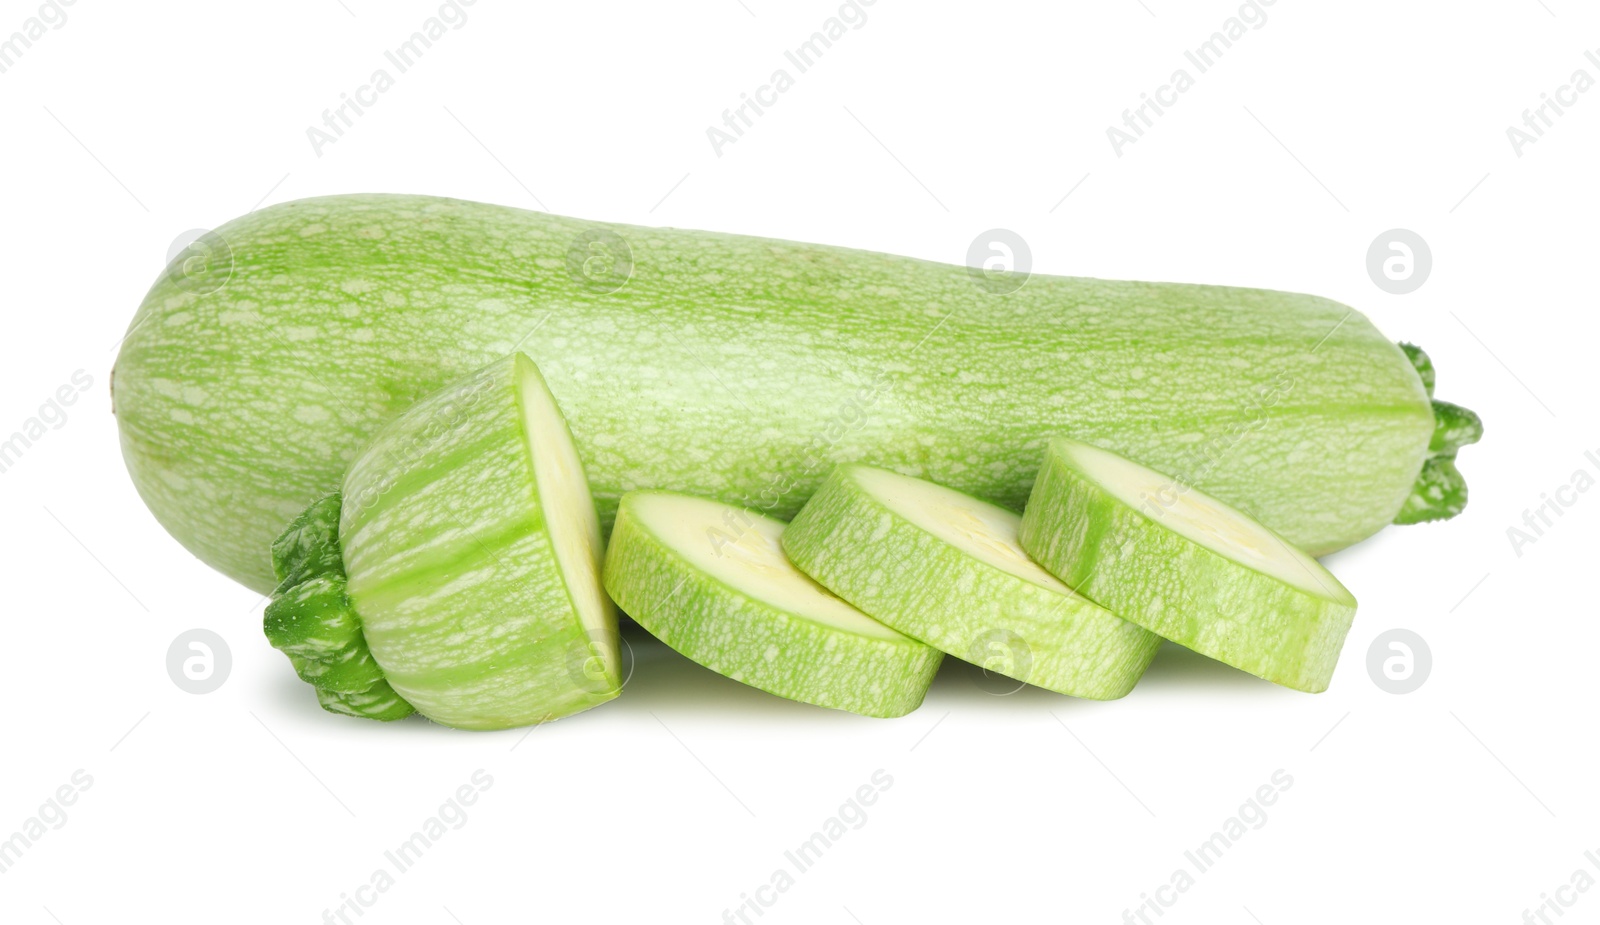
1464	801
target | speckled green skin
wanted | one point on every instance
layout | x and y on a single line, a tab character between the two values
1152	576
452	571
920	584
738	368
752	641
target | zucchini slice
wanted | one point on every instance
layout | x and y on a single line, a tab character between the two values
711	581
470	554
947	569
1174	560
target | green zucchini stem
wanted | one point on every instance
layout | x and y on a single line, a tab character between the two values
1440	491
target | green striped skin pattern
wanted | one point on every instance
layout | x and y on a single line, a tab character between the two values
756	642
453	570
311	620
1148	574
895	571
736	368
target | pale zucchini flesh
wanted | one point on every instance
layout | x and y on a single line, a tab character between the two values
741	369
948	569
711	581
1176	561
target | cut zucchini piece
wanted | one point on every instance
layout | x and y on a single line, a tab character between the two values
471	549
947	569
1186	566
711	581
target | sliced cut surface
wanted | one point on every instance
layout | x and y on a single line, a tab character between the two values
948	569
1182	564
471	549
711	581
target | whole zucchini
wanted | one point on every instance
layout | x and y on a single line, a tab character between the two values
737	368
